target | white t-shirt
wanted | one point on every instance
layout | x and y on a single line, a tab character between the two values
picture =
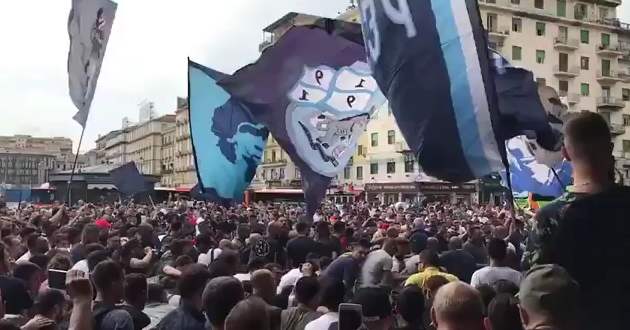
205	259
81	265
24	258
489	275
324	322
374	268
289	279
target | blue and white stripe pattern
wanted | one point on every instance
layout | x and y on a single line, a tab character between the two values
470	102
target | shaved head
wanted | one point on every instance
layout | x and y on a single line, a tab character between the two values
458	305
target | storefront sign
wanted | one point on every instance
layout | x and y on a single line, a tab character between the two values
421	187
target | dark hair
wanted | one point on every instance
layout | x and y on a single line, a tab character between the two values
155	293
503	313
220	296
505	286
177	246
25	271
497	249
7	325
331	293
306	289
411	304
430	257
105	273
588	132
31	241
184	260
94	258
40	260
91	230
135	286
301	227
47	300
487	294
193	280
73	234
204	240
89	248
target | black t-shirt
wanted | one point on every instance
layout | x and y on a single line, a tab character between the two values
299	247
589	235
78	253
15	295
459	263
328	246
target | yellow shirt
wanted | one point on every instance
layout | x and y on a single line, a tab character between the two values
419	278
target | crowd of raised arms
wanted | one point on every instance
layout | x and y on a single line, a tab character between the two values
364	265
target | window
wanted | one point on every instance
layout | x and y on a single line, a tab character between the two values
361	150
516	53
584	36
540	4
391	167
540	29
391	137
606	68
561	8
563	34
359	172
625	94
409	163
540	56
273	156
626	146
491	22
603	13
584	63
346	172
580	11
374	139
282	173
517	24
516	2
605	39
563	87
374	168
626	120
584	89
298	175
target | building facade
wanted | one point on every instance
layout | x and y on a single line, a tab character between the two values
25	169
168	157
185	174
60	147
580	48
144	144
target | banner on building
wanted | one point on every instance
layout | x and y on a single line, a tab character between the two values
128	179
313	89
228	142
89	26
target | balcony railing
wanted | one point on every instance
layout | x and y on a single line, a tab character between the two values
572	98
616	129
566	71
610	102
610	49
565	43
609	76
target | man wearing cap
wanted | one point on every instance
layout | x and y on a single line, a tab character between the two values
548	299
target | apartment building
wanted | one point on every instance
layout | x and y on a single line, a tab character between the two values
185	174
144	144
580	48
168	157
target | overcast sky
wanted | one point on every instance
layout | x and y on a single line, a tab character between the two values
145	58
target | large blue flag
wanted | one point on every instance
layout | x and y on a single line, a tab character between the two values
227	141
314	91
431	59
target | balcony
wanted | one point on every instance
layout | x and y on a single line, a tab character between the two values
562	43
275	162
571	98
608	77
616	129
565	72
610	103
498	34
267	41
613	50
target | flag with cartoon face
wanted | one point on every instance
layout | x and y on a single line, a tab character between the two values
314	91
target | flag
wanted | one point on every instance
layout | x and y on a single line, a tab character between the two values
128	180
314	91
89	26
528	175
227	141
431	59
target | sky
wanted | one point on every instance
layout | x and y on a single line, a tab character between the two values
145	58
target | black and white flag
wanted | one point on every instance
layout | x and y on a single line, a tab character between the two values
89	26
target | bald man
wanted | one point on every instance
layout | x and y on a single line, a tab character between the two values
457	306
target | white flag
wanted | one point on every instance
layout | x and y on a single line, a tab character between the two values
89	25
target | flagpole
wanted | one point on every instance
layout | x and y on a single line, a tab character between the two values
74	167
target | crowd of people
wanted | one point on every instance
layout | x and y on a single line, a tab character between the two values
198	265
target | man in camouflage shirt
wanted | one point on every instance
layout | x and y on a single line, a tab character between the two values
587	230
